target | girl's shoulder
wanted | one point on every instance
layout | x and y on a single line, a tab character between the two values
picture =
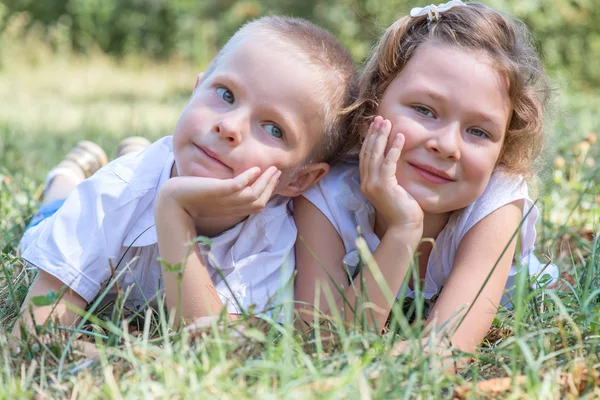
340	200
345	171
502	189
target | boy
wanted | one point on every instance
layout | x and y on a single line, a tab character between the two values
262	126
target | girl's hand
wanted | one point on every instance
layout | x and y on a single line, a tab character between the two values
246	194
378	177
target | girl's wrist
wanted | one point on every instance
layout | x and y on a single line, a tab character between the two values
409	233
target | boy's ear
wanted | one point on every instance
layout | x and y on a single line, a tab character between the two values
199	78
308	176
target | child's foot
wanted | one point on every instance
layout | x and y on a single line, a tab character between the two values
81	162
132	144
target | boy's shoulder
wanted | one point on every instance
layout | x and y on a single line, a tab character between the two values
140	170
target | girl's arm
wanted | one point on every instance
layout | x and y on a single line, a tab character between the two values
403	217
476	256
319	254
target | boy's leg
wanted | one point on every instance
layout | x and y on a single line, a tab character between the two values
132	144
81	162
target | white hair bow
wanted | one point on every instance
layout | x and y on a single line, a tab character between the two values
433	12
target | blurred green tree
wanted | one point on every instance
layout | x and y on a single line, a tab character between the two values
567	31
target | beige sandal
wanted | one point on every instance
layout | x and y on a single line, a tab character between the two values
132	144
80	163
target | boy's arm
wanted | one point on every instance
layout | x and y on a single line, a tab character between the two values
180	201
42	284
191	292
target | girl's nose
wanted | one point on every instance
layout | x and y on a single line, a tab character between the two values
446	142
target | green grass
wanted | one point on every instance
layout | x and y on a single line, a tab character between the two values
550	340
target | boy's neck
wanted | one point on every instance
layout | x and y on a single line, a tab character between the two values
214	226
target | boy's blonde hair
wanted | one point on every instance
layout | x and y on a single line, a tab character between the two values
474	27
322	51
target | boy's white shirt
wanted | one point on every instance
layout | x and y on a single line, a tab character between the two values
114	209
339	198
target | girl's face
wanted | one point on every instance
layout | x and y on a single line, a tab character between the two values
453	108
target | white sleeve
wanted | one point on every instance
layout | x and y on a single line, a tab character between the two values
337	195
320	196
79	243
502	190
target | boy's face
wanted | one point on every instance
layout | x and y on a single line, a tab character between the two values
258	107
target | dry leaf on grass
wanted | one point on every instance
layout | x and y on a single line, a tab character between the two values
571	383
489	388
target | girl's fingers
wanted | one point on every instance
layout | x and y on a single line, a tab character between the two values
391	159
366	149
374	160
381	140
368	142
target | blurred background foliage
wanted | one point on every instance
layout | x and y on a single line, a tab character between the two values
567	31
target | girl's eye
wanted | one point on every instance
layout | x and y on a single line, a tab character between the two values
424	111
225	94
478	132
274	130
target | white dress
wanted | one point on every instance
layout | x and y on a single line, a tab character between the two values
339	198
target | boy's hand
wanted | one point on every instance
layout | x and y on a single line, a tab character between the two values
378	177
243	195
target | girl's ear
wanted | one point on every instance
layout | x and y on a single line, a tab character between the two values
308	176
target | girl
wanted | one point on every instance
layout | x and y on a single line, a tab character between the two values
459	95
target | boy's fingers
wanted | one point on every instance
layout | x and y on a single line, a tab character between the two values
258	187
268	191
391	159
244	179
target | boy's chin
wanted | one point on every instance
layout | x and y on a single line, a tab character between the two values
198	171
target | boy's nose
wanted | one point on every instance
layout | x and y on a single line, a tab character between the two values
446	142
231	128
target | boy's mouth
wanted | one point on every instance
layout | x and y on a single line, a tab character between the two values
212	157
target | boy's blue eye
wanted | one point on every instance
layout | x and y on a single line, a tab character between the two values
225	94
274	130
478	132
424	111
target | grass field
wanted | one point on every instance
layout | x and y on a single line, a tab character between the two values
546	347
